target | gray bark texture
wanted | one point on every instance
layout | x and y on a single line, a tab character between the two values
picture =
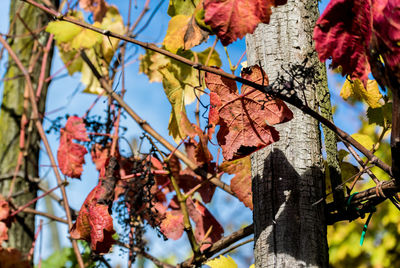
22	41
287	175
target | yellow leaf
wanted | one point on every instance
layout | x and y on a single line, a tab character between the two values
365	140
87	38
347	89
87	78
252	266
177	27
63	31
150	63
356	89
222	262
114	23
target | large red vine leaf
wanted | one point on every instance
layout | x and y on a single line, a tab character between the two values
241	183
70	155
233	19
245	119
386	16
94	223
343	32
349	29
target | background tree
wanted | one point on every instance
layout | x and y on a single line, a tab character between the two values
19	156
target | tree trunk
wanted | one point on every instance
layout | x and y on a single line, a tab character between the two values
287	175
27	46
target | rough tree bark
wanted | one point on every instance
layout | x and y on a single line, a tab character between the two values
287	175
26	42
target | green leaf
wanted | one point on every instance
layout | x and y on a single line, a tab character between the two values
63	31
92	84
222	262
214	59
381	116
72	60
114	23
365	140
174	92
182	7
150	63
87	38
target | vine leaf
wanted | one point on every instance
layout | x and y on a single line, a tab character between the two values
245	119
241	183
97	7
172	220
347	28
204	221
94	223
355	88
343	32
12	257
70	155
4	219
183	33
381	116
222	262
179	82
182	7
226	18
386	16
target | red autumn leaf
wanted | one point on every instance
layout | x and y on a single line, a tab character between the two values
4	209
75	129
241	183
12	258
226	18
205	224
3	232
386	17
246	118
94	223
188	180
343	33
201	153
172	224
70	155
100	154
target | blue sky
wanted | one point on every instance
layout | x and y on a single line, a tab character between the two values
149	101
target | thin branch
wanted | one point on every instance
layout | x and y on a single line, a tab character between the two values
221	244
145	255
44	214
